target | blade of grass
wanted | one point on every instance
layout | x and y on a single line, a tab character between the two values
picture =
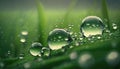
41	22
70	8
105	14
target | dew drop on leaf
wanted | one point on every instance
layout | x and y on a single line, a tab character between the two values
22	40
27	65
73	55
2	65
24	33
114	26
35	49
58	38
92	25
45	51
21	56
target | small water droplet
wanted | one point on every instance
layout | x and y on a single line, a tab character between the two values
114	26
92	25
27	65
35	49
113	58
2	64
73	55
23	40
86	60
45	51
9	52
71	46
99	37
24	33
58	38
77	43
21	56
81	38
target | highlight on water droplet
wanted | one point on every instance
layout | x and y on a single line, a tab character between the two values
92	25
45	51
35	49
86	60
58	38
113	58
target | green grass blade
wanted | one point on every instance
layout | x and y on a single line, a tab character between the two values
70	8
105	14
41	22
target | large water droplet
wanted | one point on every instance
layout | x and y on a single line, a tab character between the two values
45	51
35	49
92	25
58	38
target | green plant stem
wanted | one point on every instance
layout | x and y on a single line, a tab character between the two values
70	8
41	23
105	14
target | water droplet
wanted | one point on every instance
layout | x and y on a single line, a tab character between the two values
81	38
92	25
77	43
99	37
64	48
9	52
45	51
24	33
58	38
113	58
35	49
27	65
23	40
73	55
114	26
1	65
71	46
21	56
86	60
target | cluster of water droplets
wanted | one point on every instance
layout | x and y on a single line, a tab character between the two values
37	49
91	30
23	36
